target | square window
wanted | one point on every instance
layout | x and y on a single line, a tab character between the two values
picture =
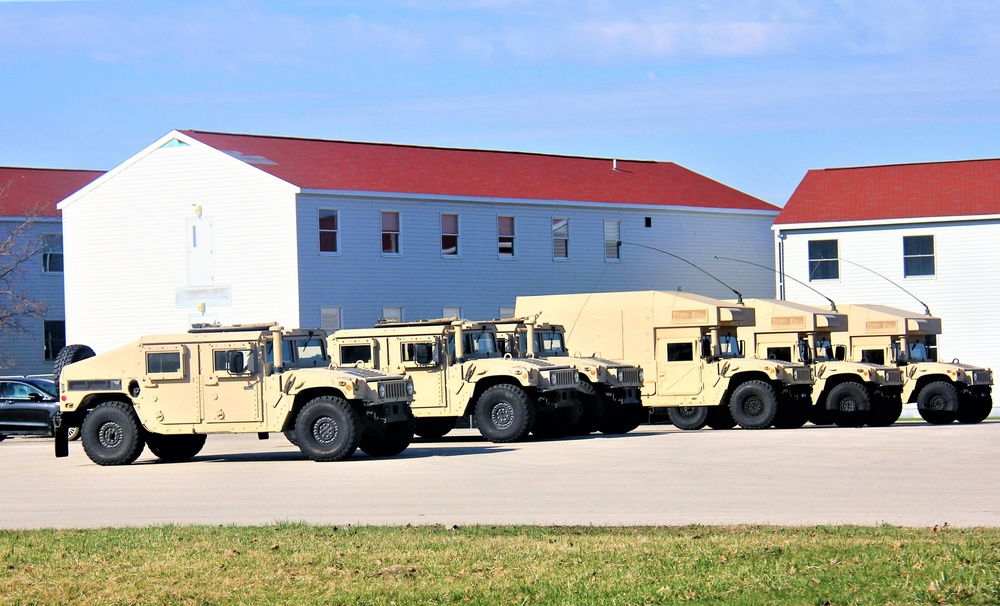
329	318
823	260
390	232
392	313
328	231
52	253
918	256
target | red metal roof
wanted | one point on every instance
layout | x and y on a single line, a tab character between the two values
379	167
902	191
35	192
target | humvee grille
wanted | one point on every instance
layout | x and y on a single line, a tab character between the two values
394	390
803	375
563	378
981	377
629	376
894	376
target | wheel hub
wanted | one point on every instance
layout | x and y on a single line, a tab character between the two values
753	406
325	430
110	435
502	415
848	405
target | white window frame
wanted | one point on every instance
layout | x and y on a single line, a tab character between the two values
931	256
457	235
398	233
616	226
835	260
560	235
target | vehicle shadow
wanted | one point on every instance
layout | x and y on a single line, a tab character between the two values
413	452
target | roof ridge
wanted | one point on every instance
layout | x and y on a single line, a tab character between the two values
898	164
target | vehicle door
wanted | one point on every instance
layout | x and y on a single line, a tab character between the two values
423	360
24	409
231	382
678	367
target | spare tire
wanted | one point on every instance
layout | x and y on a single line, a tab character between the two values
67	355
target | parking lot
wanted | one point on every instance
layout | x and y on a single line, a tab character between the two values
910	474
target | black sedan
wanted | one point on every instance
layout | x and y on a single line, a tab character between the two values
28	407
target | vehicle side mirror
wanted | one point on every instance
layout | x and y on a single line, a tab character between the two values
424	355
34	397
236	363
706	347
840	353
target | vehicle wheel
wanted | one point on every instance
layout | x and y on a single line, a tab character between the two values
67	355
753	405
72	433
434	428
2	438
849	404
290	436
504	413
623	418
792	413
885	411
591	409
111	434
688	417
938	403
719	417
974	408
175	448
387	440
328	429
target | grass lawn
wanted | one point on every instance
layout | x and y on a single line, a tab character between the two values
303	564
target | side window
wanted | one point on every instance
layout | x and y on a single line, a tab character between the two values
824	262
560	238
873	356
354	354
311	353
779	353
680	352
390	232
54	334
52	253
234	361
328	231
918	256
612	235
449	235
421	354
505	236
165	364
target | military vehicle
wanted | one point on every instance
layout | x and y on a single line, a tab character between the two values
689	351
458	371
849	394
943	391
609	391
168	392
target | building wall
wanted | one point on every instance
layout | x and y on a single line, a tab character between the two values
962	292
23	352
130	269
361	280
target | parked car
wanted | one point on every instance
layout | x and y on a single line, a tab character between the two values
28	407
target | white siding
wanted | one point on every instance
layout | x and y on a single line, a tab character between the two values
126	246
963	291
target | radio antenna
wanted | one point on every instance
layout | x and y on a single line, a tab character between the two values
833	306
927	310
739	296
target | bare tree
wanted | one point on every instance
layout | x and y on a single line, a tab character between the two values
18	245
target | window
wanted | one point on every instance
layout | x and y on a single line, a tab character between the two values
163	363
390	232
54	336
680	352
355	354
449	235
506	311
329	318
418	353
505	236
612	235
328	231
392	314
779	353
918	256
52	253
234	361
873	356
823	263
560	238
451	311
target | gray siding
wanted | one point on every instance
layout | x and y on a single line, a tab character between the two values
361	280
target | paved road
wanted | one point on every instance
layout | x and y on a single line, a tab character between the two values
911	474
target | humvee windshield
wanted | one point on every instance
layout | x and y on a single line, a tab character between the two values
921	352
824	350
729	347
299	352
547	343
478	344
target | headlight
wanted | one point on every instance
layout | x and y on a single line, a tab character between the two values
640	375
552	378
381	390
409	388
620	374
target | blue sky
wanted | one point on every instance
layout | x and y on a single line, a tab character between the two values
750	93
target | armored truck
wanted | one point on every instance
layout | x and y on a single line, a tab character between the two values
943	391
689	351
168	392
849	394
608	391
458	371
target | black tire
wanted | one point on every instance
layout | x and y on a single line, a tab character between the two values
434	428
66	356
387	440
719	417
937	403
622	418
175	448
974	408
885	411
753	405
328	429
688	418
591	409
504	413
2	438
111	434
290	436
849	404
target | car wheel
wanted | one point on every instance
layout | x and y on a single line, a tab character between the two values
327	429
111	434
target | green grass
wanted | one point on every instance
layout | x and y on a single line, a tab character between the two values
302	564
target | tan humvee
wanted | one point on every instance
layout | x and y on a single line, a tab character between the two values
169	391
688	348
944	392
458	371
846	393
609	391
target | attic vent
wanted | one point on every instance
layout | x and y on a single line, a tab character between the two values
248	159
175	142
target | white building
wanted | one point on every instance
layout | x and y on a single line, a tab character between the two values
903	236
28	217
213	227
